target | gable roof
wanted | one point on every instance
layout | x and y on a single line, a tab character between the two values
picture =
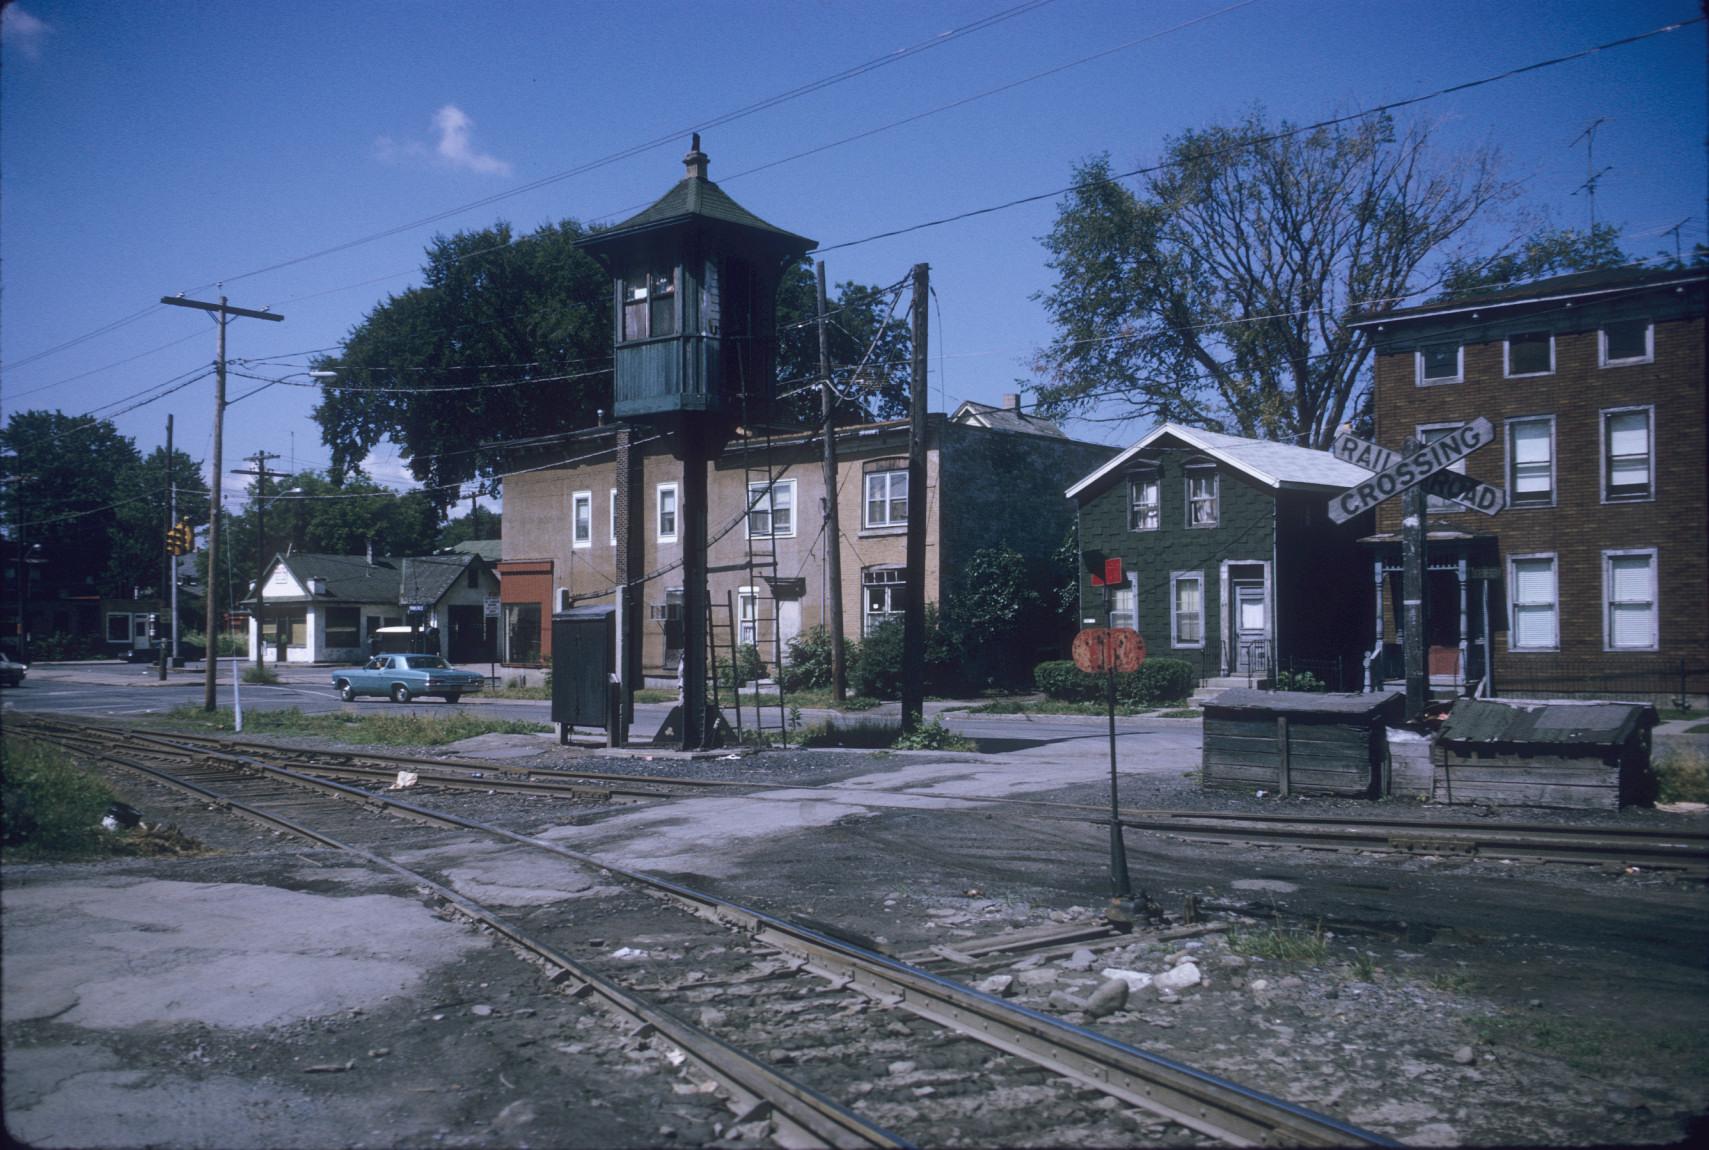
1273	464
1573	286
387	580
977	414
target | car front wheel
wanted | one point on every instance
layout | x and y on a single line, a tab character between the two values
400	694
347	692
453	696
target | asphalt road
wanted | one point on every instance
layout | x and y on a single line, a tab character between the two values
113	689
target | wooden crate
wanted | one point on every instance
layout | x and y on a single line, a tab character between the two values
1537	779
1294	742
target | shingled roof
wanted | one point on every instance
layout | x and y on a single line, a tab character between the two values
384	579
1270	463
694	198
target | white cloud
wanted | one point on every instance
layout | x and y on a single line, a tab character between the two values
454	124
23	31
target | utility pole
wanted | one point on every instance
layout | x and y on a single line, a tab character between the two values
833	530
914	604
261	473
1414	545
223	314
171	560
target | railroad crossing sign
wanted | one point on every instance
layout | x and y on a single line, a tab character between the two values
1398	472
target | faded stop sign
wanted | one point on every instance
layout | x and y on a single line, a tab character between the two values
1103	648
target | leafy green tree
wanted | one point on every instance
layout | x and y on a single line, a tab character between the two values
1219	293
870	345
83	492
1548	252
503	340
479	523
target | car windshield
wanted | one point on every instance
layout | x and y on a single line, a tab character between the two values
426	662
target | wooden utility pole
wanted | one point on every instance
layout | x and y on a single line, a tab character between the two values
914	604
223	314
169	561
833	530
261	474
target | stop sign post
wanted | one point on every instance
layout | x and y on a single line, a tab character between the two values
1111	649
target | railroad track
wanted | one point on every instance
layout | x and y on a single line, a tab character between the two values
839	991
1672	850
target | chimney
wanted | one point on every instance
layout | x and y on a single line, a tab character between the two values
317	585
696	160
1012	403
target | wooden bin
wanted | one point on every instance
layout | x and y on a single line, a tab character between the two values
1296	742
1510	752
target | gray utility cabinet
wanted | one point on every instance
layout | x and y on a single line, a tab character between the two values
1297	742
584	655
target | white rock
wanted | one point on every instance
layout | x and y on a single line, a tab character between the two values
1081	959
1038	976
1178	978
1135	979
1002	985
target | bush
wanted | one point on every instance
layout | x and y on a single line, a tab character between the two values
748	667
57	647
865	734
1156	681
934	736
1682	775
1299	681
875	665
809	664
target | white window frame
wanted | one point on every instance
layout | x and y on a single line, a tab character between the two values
1513	499
1176	578
748	616
1513	603
867	615
766	502
581	533
614	516
1124	603
1459	366
888	478
1608	597
1649	495
1649	355
1193	473
1507	357
1153	481
659	512
1435	504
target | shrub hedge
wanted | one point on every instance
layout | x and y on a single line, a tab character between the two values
1157	681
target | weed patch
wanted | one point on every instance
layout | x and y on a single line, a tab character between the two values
1682	775
52	809
1281	944
863	735
356	727
934	736
1593	1046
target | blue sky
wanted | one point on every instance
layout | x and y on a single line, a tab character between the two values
150	149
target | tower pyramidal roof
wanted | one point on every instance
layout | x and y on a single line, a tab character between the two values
696	198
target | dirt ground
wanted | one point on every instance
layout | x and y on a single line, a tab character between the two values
269	993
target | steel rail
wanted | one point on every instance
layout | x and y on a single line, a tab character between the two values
806	1117
1193	1098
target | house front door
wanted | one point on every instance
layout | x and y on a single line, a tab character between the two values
1251	628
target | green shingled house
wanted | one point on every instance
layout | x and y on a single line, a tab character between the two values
1231	561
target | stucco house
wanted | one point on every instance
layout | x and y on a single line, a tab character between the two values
326	608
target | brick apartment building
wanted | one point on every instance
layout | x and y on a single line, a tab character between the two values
585	513
1595	578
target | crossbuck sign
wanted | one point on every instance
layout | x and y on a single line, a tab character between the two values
1428	465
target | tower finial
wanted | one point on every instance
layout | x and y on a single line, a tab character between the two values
696	160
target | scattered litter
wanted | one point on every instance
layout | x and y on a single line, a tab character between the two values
406	779
726	758
379	1052
481	1010
330	1067
675	1057
1261	794
1682	808
628	952
121	816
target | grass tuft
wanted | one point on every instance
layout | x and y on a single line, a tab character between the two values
392	730
1281	944
1682	775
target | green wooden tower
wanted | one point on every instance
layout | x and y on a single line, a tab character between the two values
694	281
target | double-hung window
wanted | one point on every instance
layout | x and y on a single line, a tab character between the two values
1428	434
883	595
886	499
581	519
1536	609
649	304
1201	496
666	512
1626	341
1187	609
748	616
1628	463
1629	591
1142	501
1531	353
1531	461
771	508
1440	363
614	516
1122	607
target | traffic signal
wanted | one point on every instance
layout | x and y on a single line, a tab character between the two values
180	539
